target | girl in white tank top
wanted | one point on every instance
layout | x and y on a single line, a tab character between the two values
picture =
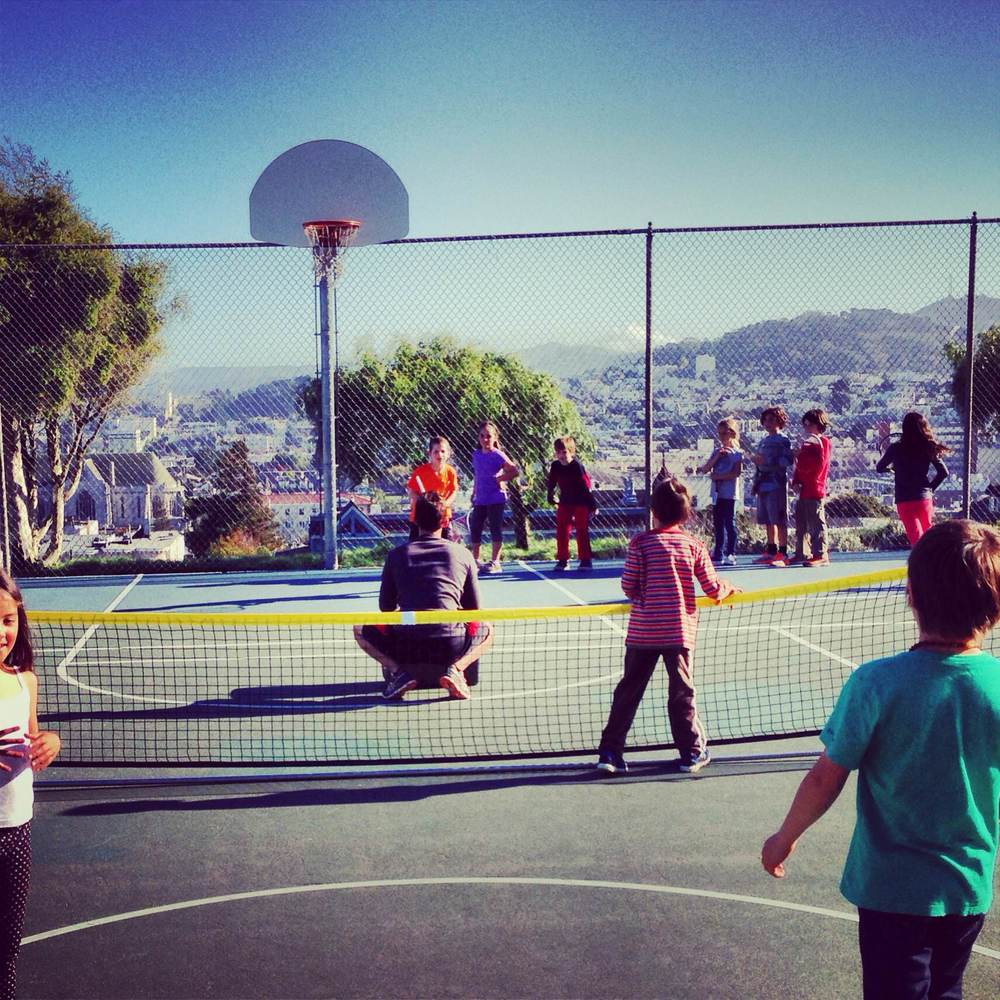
24	748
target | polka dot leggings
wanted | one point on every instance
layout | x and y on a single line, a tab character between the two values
15	875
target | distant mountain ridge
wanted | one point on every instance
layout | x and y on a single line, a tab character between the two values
813	343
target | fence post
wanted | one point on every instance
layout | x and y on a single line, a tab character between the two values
970	358
329	439
5	554
649	372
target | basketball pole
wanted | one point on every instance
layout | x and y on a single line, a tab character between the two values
328	419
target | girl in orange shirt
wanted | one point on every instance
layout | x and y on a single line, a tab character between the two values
434	476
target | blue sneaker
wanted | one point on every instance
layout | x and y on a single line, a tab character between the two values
693	763
611	762
398	685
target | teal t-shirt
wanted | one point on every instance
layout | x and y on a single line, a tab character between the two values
923	730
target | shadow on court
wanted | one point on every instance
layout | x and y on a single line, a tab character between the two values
500	882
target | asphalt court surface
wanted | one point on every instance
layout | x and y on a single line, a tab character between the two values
546	881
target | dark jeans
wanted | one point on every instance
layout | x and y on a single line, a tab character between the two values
724	522
426	658
907	957
685	726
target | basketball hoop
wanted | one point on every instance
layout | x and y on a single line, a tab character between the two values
328	238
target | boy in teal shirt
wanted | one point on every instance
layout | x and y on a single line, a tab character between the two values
923	730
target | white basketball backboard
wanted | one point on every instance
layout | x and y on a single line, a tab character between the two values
328	179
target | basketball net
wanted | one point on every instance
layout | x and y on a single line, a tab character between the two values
328	239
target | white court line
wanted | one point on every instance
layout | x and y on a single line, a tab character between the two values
82	641
811	645
567	883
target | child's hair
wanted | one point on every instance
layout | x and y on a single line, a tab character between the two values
917	438
778	412
429	512
488	424
21	656
954	579
671	503
730	425
565	443
817	417
439	439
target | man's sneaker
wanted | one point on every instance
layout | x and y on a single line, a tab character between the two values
455	684
586	564
559	566
494	567
779	560
729	560
398	685
764	560
817	561
611	762
693	763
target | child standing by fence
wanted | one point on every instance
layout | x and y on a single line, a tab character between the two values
491	469
773	460
434	476
725	466
576	503
911	459
809	477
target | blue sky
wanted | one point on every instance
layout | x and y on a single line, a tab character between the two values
513	117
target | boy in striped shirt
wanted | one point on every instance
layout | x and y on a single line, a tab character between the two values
660	571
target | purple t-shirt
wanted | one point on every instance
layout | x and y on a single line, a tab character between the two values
485	466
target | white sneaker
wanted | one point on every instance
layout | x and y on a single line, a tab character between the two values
494	567
729	561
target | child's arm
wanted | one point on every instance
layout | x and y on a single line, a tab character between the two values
817	792
508	472
712	459
940	474
550	482
450	486
45	744
632	573
883	464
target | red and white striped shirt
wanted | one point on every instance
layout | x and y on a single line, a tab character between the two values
660	569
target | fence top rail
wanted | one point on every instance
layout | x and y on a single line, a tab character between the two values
525	236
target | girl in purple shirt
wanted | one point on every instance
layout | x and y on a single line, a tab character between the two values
491	468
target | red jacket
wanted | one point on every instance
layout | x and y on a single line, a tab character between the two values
811	467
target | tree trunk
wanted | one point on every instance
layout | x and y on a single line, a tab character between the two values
53	442
23	547
519	513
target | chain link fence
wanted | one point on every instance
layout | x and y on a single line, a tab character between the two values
161	403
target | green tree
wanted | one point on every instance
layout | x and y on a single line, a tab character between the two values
388	408
234	515
79	327
986	380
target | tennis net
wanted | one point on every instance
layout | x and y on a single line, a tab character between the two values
228	689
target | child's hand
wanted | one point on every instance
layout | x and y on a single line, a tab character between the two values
9	747
45	746
774	853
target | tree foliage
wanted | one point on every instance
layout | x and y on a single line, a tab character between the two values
80	327
986	379
387	408
234	516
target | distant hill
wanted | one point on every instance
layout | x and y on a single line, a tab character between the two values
192	382
950	312
570	360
